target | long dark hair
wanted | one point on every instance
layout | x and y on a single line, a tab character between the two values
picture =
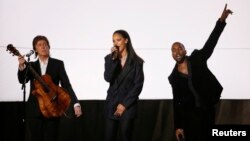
131	52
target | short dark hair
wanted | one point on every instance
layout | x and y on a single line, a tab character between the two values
179	44
39	38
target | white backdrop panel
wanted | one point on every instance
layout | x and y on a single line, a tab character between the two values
80	33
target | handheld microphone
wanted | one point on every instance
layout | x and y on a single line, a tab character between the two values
30	53
115	53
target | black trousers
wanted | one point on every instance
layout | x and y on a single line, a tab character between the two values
42	129
198	124
125	127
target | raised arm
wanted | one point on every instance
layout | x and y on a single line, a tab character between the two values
210	44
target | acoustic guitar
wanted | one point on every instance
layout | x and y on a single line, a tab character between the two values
53	100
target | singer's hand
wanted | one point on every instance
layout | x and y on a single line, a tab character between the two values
21	61
119	110
114	49
78	111
225	13
179	133
114	52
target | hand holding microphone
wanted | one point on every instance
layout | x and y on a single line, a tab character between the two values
21	59
115	52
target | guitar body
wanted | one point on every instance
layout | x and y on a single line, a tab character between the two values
53	102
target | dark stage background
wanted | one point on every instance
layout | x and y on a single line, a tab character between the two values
154	121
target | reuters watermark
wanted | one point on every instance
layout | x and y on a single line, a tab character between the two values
217	132
235	131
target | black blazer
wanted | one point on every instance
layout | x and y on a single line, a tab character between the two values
56	70
204	82
125	86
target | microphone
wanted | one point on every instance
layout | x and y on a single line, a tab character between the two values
30	53
115	53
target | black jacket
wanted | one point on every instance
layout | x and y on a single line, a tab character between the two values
204	82
125	86
56	70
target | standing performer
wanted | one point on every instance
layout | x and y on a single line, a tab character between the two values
124	72
43	125
195	89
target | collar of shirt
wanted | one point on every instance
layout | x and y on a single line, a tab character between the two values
43	66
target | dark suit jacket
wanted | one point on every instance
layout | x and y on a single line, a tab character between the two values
56	70
125	86
204	82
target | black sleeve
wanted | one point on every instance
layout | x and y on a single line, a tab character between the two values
66	83
210	44
110	66
21	74
177	105
178	113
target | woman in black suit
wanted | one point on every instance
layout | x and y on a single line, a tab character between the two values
41	127
124	72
